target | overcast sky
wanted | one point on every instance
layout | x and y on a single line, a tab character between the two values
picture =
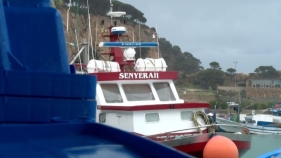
224	31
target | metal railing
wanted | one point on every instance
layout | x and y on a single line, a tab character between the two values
203	126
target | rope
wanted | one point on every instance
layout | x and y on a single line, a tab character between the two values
205	119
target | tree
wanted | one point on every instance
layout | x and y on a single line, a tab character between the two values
267	71
230	71
58	3
209	77
213	103
223	105
187	63
215	65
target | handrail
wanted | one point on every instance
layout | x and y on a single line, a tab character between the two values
212	125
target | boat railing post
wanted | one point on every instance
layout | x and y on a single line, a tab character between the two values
168	135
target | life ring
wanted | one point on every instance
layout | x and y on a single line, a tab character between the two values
206	120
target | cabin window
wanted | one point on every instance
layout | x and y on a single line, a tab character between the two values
102	117
138	92
111	93
164	91
152	117
187	115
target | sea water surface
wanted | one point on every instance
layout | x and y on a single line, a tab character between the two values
261	144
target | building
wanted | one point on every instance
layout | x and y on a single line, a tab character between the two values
264	88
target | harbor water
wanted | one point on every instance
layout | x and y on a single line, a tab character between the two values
261	144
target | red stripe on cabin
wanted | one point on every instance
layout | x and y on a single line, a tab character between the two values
184	105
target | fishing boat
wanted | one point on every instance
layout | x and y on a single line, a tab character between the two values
258	124
139	95
43	113
234	127
265	124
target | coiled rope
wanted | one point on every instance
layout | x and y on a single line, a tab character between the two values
206	120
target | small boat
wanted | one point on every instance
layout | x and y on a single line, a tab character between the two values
139	96
234	127
264	124
260	124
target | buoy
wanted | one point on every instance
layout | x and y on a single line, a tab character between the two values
220	147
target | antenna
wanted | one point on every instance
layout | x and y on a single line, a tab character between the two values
139	38
111	6
90	33
133	35
96	36
157	37
67	16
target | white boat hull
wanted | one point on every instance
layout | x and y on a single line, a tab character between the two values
253	129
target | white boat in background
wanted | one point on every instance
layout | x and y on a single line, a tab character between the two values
260	124
235	127
265	124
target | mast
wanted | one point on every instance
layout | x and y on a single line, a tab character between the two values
157	40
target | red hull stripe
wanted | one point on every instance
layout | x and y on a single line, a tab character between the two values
197	147
110	76
162	137
185	105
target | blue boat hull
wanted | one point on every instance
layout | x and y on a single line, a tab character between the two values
77	140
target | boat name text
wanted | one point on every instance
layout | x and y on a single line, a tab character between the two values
138	75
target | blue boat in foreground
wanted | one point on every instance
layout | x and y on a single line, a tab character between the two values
272	154
46	110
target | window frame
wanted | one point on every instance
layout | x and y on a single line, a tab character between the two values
145	116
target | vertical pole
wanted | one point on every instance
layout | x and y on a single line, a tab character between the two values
96	36
235	62
157	40
237	108
111	6
139	39
273	104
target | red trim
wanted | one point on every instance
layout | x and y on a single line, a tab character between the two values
162	136
77	65
185	105
195	147
110	76
242	144
192	148
173	135
142	75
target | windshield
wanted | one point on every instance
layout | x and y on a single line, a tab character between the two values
111	93
138	92
164	91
